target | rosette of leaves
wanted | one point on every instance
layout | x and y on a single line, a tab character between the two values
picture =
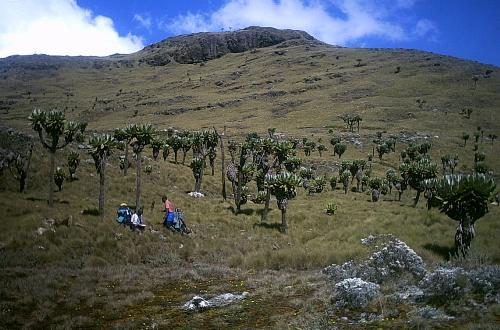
334	140
464	198
375	185
345	178
73	162
344	166
282	150
59	177
196	166
292	163
364	182
175	142
391	177
481	168
247	171
384	189
479	157
156	145
260	197
284	187
148	169
382	149
187	141
309	146
333	182
339	149
415	173
331	208
318	184
424	147
321	148
306	173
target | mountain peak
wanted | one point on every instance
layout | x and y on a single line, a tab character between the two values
204	46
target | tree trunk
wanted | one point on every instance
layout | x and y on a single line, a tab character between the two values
197	185
183	157
102	166
175	156
416	198
263	218
284	225
464	235
237	196
125	161
138	182
223	167
22	181
52	156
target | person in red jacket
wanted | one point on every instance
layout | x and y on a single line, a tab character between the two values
169	209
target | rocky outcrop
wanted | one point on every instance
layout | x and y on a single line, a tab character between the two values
199	303
199	47
396	275
354	292
392	258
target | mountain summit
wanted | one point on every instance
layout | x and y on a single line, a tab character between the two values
199	47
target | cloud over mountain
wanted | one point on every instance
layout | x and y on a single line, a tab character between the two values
59	27
336	22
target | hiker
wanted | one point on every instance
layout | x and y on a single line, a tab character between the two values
174	219
136	221
168	208
123	215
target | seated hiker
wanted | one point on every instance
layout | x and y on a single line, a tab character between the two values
168	207
136	221
124	215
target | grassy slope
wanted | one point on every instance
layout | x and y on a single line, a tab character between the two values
234	252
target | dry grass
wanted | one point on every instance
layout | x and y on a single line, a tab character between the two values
98	274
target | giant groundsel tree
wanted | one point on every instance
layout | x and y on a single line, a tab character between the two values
102	146
283	187
464	198
51	126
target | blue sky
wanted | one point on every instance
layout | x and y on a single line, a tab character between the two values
467	29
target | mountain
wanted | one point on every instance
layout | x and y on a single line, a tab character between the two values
253	79
65	267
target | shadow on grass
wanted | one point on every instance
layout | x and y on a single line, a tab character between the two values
34	199
444	251
273	225
242	211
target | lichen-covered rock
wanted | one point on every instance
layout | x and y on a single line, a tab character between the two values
410	294
391	259
355	293
199	303
429	313
485	279
445	284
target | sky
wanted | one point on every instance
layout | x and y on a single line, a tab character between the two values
468	29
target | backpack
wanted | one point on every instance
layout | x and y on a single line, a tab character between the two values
123	215
179	216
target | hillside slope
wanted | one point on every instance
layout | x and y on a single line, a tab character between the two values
64	267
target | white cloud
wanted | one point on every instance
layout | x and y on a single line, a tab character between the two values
59	27
144	20
426	28
340	22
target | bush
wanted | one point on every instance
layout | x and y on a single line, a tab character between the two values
331	208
